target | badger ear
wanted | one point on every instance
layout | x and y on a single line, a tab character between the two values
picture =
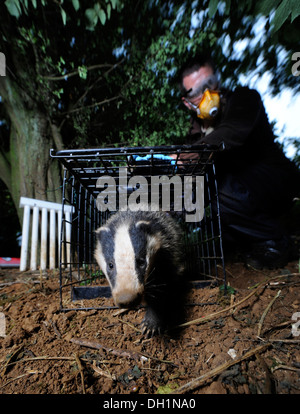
143	225
102	232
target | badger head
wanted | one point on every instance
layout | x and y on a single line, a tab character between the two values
126	255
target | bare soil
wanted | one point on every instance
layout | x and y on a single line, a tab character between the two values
250	348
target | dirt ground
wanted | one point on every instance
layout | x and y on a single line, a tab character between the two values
251	348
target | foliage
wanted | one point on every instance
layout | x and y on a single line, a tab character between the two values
99	12
218	27
283	10
279	11
295	142
103	72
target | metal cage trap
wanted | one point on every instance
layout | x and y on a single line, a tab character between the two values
82	284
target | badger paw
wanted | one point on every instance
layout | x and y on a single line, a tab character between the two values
152	324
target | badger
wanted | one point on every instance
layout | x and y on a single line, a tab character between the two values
141	255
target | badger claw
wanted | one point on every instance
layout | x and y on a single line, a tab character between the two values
152	324
150	332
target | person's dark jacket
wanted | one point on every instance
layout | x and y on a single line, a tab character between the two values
250	153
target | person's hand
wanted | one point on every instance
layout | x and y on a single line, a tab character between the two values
176	157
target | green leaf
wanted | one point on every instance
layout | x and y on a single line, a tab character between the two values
227	7
266	6
34	3
58	92
114	3
76	4
92	17
167	389
14	8
82	72
63	16
102	16
295	6
213	7
108	11
281	15
25	5
229	289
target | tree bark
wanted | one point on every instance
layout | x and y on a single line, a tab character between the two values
27	169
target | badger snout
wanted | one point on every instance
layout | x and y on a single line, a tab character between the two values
127	298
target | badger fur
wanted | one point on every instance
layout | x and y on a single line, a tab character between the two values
141	255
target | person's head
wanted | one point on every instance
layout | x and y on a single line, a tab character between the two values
197	76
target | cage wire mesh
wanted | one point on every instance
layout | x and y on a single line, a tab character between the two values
81	281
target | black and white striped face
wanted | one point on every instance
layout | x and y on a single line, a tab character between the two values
125	254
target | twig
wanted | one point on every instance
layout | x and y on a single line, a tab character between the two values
232	297
20	376
47	358
197	382
96	345
120	312
118	352
263	316
41	278
279	326
269	387
285	341
81	371
212	315
18	282
105	101
286	367
76	72
55	329
102	372
41	358
129	324
11	358
206	362
111	68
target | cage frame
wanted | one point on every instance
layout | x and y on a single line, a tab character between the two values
81	169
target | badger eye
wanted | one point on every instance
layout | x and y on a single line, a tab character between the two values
111	265
141	262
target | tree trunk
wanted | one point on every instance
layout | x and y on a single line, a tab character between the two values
27	168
